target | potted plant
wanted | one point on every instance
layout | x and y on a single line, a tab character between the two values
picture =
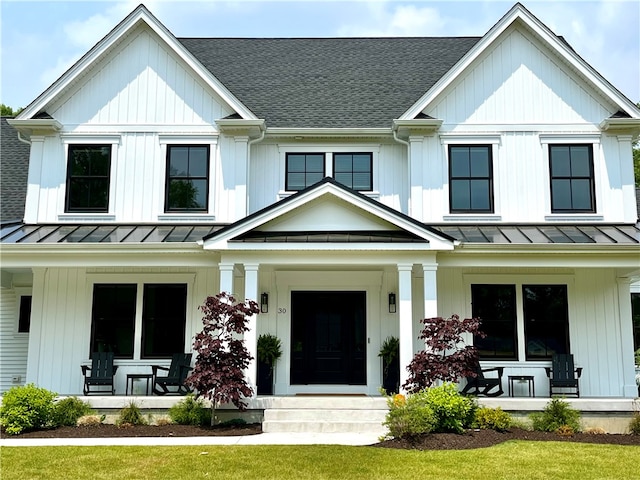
390	354
269	351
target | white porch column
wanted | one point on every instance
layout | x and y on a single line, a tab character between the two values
629	387
35	329
226	277
430	290
251	337
405	317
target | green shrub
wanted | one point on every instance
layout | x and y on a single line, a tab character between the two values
453	412
634	424
26	408
408	417
67	411
556	414
492	419
131	415
190	411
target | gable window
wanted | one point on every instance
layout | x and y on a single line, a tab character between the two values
354	170
470	179
303	170
187	187
156	332
572	179
88	176
24	315
537	329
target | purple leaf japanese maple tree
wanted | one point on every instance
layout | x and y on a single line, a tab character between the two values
222	358
445	356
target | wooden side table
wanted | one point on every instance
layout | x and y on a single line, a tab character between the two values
132	377
522	378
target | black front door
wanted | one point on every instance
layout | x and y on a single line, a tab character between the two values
328	338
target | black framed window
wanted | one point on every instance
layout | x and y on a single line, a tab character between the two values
303	170
113	319
635	317
164	316
354	170
495	305
546	320
187	186
572	179
24	314
470	178
88	177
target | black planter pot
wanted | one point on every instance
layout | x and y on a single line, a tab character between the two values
391	376
265	379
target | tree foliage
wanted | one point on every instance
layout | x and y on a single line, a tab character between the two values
218	374
445	356
7	111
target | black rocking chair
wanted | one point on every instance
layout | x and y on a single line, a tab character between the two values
481	385
100	373
563	375
177	373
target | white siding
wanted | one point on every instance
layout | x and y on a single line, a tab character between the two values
13	345
140	83
519	81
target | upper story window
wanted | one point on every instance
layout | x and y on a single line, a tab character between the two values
88	178
354	170
303	170
187	186
470	179
572	178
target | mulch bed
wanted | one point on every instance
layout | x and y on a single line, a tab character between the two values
434	441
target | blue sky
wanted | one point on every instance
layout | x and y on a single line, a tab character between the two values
41	39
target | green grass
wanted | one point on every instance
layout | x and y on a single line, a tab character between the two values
511	460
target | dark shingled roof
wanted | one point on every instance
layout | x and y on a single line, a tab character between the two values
14	166
329	82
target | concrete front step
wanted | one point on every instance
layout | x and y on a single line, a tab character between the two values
328	414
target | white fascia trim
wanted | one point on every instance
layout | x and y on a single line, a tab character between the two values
328	132
137	16
324	247
519	13
327	188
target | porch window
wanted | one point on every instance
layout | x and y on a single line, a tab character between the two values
354	170
113	319
161	323
187	187
572	179
163	320
635	316
88	177
303	170
495	305
470	179
543	317
24	315
546	320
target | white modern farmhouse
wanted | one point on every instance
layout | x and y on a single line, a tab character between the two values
351	186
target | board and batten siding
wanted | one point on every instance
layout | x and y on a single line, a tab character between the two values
61	321
141	83
13	345
520	82
594	322
267	171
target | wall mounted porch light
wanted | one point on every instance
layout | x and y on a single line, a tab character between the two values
392	303
264	303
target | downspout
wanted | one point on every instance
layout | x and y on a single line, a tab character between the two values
249	143
28	142
404	142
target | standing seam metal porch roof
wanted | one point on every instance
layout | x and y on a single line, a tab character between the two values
525	234
329	82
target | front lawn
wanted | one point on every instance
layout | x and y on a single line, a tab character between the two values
510	460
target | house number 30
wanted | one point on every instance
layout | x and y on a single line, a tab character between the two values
282	310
